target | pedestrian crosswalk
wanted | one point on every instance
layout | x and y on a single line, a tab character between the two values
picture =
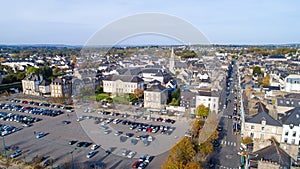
228	143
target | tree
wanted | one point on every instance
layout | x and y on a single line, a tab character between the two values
247	140
257	70
202	111
206	147
73	58
138	93
180	154
176	94
174	102
99	89
31	70
193	165
266	80
197	125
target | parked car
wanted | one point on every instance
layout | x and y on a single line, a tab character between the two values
136	164
71	142
41	134
16	154
66	122
91	154
131	154
80	144
95	146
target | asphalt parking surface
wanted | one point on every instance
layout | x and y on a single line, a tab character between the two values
55	143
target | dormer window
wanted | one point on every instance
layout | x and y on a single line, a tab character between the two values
291	125
263	121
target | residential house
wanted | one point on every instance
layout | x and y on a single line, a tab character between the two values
262	125
208	99
122	84
44	88
155	97
30	84
290	100
291	127
292	83
276	58
61	87
270	157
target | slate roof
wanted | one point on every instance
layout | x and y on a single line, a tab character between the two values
293	96
125	78
263	114
292	116
151	70
276	57
272	153
129	71
271	88
156	88
45	83
32	77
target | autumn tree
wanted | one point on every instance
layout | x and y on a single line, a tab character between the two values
266	80
197	125
202	111
138	93
206	147
193	165
180	154
247	140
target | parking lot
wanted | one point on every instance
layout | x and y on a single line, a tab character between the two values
55	144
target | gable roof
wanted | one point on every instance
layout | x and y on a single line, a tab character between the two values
273	153
292	116
156	88
32	77
263	114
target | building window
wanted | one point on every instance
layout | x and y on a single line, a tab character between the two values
262	128
293	141
286	133
285	140
294	134
252	135
262	136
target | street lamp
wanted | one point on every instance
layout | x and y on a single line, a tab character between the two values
72	157
4	147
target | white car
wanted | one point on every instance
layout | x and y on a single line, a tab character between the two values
116	121
95	146
124	152
131	154
91	154
40	134
16	154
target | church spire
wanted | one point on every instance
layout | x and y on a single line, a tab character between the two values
172	61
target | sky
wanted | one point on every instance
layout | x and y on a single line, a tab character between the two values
73	22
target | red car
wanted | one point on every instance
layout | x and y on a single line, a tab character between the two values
136	164
149	129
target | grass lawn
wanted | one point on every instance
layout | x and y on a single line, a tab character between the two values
121	100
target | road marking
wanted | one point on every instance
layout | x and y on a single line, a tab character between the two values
234	144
